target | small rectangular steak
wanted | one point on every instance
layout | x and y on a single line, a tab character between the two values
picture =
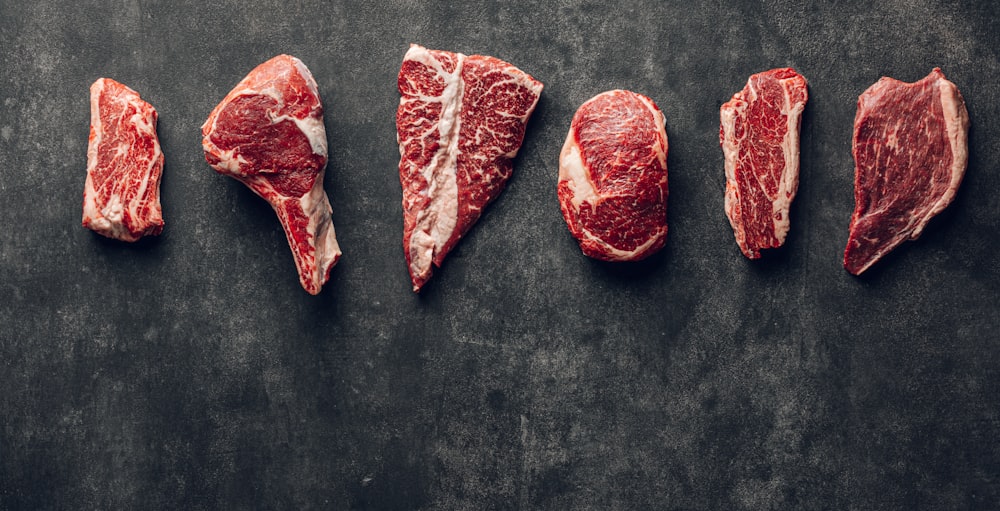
759	134
613	177
121	197
268	133
460	122
910	152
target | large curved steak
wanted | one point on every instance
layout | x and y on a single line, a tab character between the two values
910	152
268	133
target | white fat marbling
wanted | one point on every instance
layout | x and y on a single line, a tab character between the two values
436	224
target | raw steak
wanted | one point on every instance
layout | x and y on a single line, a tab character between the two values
613	177
460	122
910	153
759	134
268	133
121	197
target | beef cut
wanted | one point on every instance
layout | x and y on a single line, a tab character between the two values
268	133
759	134
910	152
460	122
613	177
121	196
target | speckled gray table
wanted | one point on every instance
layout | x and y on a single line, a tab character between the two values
191	371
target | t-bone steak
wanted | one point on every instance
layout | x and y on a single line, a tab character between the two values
613	177
121	197
268	133
910	154
460	122
759	134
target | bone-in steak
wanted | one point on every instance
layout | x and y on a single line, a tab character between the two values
121	197
910	153
268	133
613	177
759	134
460	122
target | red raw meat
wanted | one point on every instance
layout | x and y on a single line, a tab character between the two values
759	134
910	152
121	197
613	177
460	122
268	133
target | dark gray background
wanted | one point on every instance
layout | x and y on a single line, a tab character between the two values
191	370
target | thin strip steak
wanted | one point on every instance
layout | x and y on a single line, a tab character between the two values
910	152
759	134
121	196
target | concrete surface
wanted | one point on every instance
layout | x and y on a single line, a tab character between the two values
191	371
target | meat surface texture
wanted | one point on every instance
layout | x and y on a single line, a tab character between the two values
121	197
268	133
460	123
613	177
910	154
759	134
